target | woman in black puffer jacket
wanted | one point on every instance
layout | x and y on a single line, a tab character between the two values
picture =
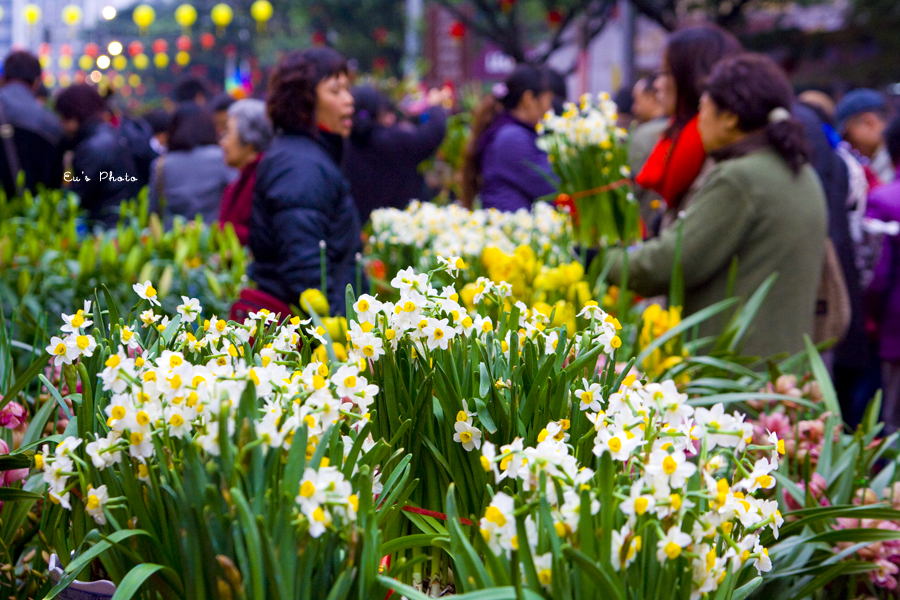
301	198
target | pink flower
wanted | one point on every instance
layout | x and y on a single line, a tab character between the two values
777	423
817	487
10	477
12	415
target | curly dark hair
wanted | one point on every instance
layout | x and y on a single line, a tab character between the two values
751	86
291	98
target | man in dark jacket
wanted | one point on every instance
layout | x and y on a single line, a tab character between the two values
852	355
36	132
103	171
382	159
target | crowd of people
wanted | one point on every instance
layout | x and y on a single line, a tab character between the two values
733	172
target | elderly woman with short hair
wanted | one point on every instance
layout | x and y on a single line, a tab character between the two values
247	135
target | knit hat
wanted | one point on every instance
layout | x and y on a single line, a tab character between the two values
856	102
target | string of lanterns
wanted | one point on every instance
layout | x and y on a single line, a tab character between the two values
144	15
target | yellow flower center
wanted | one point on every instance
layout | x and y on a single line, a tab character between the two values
319	514
615	444
493	515
669	465
175	381
307	489
150	292
545	576
764	481
113	361
77	320
142	418
221	325
350	381
487	327
175	361
672	550
136	438
354	501
363	305
465	437
587	397
60	349
676	501
640	506
82	341
93	502
176	420
126	334
254	377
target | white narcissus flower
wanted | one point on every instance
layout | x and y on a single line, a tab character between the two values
147	292
674	468
64	351
763	563
75	323
619	443
543	564
438	334
94	503
346	380
670	547
467	435
588	396
99	452
189	309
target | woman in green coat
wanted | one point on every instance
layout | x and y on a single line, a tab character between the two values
762	206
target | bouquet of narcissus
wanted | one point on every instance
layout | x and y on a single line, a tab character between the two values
225	447
589	154
416	236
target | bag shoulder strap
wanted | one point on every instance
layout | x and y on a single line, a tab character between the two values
161	184
9	146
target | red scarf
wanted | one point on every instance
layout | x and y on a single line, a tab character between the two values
674	164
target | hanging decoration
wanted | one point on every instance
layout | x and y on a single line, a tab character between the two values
183	43
221	15
457	30
207	40
91	49
65	61
120	63
85	62
554	18
32	14
141	61
186	15
261	11
161	60
135	48
71	15
44	49
380	35
159	46
183	58
65	50
143	16
379	65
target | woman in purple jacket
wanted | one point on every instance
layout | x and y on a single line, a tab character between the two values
502	160
884	291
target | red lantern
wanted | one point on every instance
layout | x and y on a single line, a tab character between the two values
318	38
379	65
381	35
207	40
554	18
135	48
44	49
507	5
230	50
91	49
65	50
183	43
159	46
457	30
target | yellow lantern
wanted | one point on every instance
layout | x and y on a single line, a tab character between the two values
143	16
161	60
183	58
185	15
85	62
221	15
118	81
45	61
261	11
134	80
49	80
141	61
32	13
65	62
120	63
71	15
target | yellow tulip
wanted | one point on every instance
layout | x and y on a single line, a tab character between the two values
314	298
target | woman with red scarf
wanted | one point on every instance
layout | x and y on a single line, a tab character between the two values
677	160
